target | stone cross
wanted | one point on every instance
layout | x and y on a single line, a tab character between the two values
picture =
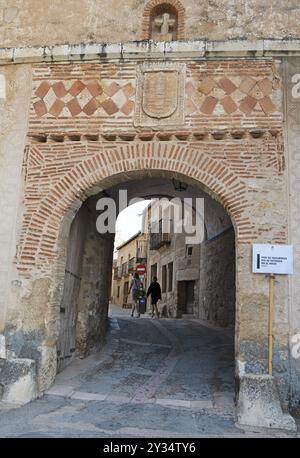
165	23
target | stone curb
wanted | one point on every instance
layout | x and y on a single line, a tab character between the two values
134	50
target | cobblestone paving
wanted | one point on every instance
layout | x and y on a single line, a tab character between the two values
154	378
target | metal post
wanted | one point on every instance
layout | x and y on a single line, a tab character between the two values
271	314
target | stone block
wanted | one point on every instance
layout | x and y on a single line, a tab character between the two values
235	47
281	47
185	49
142	49
34	54
6	55
57	53
259	405
112	50
18	381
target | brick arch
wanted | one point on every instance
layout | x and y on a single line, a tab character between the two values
110	164
176	4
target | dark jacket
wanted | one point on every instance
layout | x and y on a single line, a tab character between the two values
155	291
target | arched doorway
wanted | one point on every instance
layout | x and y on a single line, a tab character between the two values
87	276
86	291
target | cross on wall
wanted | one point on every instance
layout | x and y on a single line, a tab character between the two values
166	24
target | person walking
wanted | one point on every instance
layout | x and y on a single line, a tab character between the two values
155	291
135	288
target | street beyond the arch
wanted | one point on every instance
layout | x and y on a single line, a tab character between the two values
154	378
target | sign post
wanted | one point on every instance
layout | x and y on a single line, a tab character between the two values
271	316
271	260
141	269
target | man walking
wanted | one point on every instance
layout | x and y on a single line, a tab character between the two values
155	291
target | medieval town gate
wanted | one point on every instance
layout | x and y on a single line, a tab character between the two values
82	119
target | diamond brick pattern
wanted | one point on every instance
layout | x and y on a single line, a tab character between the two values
212	96
72	98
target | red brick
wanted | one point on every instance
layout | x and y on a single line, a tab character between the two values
42	90
91	107
229	105
76	88
59	89
267	105
247	105
128	107
227	85
109	107
209	105
95	88
74	107
40	108
128	90
57	108
112	89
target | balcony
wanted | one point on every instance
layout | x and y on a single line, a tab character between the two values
160	234
124	269
132	265
117	273
159	240
141	251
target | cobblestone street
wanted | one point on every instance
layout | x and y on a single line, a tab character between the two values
154	378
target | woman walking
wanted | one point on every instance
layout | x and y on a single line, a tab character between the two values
135	288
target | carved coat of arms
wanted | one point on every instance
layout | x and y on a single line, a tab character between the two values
160	94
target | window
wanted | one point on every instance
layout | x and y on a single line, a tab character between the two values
190	251
153	271
118	293
164	279
170	276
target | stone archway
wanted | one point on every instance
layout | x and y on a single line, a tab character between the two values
102	167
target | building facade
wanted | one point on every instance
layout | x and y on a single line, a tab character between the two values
89	102
195	280
131	254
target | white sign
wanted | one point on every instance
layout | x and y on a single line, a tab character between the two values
273	259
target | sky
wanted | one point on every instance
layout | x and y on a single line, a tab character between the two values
129	222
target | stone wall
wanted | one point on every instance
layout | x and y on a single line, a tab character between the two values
15	83
95	288
217	279
66	345
292	115
51	21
